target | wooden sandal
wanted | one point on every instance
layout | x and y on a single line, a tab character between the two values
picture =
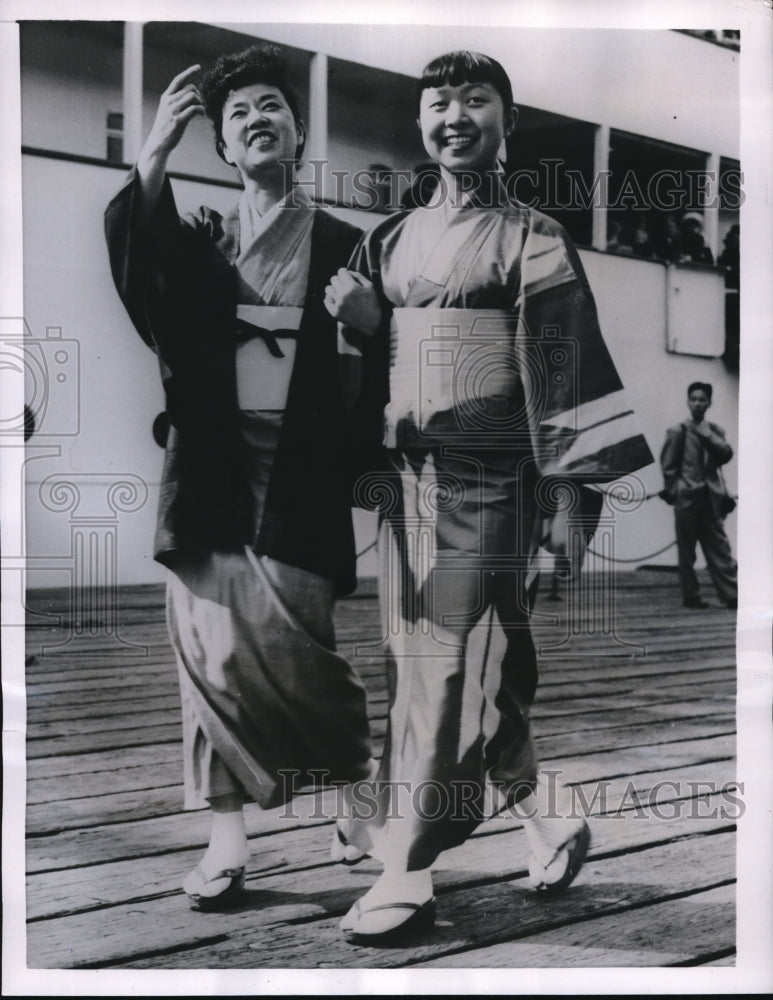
201	900
421	917
576	848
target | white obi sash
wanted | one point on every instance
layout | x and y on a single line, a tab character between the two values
453	371
273	269
265	354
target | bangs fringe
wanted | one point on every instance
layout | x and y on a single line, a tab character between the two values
464	66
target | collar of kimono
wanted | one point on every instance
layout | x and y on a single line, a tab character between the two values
229	241
482	197
251	222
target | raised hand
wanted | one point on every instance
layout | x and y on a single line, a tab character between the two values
179	104
351	298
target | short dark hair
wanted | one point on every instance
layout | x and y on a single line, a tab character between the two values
464	66
261	63
703	386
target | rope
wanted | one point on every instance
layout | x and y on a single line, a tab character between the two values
651	496
608	493
368	547
639	559
598	555
652	555
592	552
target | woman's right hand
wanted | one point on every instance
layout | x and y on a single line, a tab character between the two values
351	299
179	104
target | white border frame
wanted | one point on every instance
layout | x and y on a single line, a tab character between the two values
754	969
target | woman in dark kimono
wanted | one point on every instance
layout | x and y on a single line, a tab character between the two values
254	519
481	348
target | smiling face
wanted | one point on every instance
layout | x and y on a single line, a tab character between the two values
463	126
259	130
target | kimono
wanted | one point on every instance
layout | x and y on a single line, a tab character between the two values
257	553
497	400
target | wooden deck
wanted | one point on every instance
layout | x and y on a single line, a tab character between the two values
648	739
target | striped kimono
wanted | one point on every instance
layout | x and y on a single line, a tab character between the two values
499	386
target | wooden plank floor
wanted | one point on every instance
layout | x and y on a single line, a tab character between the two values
645	736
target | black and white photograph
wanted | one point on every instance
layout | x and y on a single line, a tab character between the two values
387	559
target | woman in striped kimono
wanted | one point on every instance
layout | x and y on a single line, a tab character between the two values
500	389
257	550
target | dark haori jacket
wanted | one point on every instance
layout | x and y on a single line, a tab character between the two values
178	282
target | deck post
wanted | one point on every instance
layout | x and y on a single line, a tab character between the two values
317	146
711	205
600	174
132	90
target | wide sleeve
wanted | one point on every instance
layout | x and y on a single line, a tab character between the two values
137	248
364	374
365	260
581	424
176	282
364	359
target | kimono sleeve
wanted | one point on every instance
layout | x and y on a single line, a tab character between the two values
135	250
365	260
364	375
150	260
580	422
364	359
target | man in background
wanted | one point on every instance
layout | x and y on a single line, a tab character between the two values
691	456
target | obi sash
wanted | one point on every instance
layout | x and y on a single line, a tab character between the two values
265	354
475	376
454	372
273	270
496	336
